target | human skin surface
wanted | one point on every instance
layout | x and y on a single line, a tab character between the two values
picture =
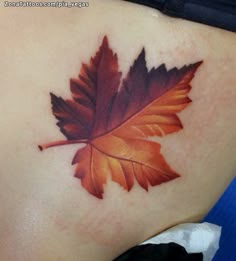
45	214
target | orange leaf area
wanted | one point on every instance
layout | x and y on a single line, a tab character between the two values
122	159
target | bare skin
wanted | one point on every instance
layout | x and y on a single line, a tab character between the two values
45	214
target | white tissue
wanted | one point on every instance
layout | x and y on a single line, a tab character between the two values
195	238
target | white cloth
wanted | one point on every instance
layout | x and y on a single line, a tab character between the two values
195	238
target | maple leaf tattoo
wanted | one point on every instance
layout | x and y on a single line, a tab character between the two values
114	118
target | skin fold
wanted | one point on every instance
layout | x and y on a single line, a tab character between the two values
45	214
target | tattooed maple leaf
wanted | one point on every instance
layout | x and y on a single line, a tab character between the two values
114	121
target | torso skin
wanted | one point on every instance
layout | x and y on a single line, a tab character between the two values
45	214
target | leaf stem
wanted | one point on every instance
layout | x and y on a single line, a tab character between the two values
60	143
